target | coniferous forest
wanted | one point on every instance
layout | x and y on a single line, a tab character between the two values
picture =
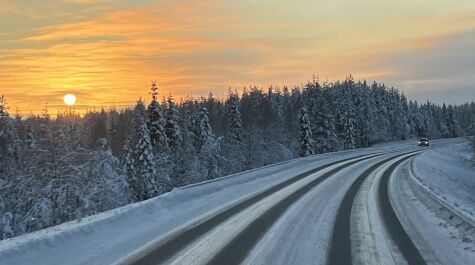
53	170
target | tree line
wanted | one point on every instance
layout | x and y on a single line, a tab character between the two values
56	170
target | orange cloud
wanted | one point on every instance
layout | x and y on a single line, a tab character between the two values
110	57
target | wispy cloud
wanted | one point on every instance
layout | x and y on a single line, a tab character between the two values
111	51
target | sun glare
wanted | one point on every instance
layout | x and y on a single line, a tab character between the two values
69	99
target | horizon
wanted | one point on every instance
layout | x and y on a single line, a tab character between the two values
79	110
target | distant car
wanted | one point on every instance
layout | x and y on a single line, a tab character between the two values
423	142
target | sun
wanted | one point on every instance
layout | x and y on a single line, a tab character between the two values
69	99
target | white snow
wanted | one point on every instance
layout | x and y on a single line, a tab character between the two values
370	242
439	239
201	251
107	237
449	174
303	234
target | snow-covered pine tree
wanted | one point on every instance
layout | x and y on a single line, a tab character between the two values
234	118
367	126
428	121
3	107
452	122
415	120
325	135
381	117
398	114
289	115
206	144
145	164
444	122
9	142
233	142
115	137
139	114
136	187
266	116
203	132
9	168
349	134
156	122
172	127
106	185
95	129
347	123
307	146
405	112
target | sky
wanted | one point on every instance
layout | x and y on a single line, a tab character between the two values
107	52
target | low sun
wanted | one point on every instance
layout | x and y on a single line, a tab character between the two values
69	99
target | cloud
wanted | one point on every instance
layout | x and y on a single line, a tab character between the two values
441	72
109	52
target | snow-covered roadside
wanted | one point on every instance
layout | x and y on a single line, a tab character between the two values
448	174
104	238
441	236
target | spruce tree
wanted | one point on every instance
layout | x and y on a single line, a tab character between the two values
444	122
172	127
203	132
136	187
206	145
325	135
346	115
156	122
349	134
145	163
452	122
3	107
234	118
306	142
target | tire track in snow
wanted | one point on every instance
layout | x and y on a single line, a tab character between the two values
237	250
160	251
339	252
392	223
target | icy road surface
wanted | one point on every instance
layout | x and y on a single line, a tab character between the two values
391	204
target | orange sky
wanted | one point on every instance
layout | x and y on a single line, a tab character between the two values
107	52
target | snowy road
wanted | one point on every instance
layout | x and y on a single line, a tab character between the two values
358	207
289	224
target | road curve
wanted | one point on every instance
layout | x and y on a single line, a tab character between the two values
416	206
230	234
163	250
236	251
340	251
392	223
